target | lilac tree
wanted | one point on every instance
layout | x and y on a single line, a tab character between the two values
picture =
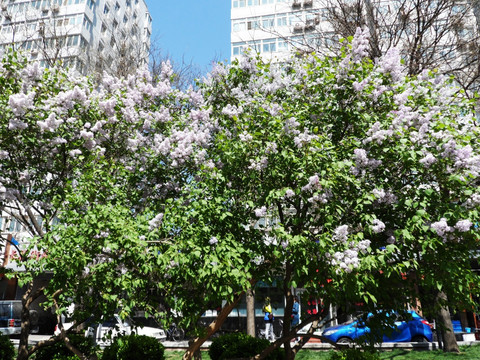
354	172
59	133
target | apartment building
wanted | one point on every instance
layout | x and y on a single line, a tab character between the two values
85	35
430	34
274	27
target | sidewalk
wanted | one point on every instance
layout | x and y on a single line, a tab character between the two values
313	344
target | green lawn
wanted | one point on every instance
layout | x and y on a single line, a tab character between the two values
467	353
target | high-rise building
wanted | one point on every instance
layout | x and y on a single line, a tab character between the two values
86	35
430	34
274	27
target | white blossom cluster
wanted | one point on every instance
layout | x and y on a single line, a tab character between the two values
442	228
363	163
384	197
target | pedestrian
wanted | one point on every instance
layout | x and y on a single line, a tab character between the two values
268	318
295	314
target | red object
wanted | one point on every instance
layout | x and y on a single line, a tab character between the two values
11	322
427	323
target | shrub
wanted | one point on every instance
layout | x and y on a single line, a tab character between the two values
354	354
59	350
240	345
6	348
134	347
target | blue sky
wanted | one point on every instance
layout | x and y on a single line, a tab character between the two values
197	31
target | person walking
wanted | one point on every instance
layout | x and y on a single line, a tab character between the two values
295	314
268	318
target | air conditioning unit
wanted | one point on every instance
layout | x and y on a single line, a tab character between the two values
307	3
298	27
310	24
296	3
4	7
55	8
34	52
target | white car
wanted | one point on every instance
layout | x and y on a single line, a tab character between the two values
104	333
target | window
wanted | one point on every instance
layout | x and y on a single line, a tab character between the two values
115	24
268	22
106	9
282	20
325	13
295	19
282	45
75	20
80	66
329	39
314	41
76	2
83	42
125	19
117	7
72	40
253	2
269	45
134	31
103	29
239	25
129	3
254	23
87	24
447	52
255	46
91	4
238	3
265	2
238	48
15	225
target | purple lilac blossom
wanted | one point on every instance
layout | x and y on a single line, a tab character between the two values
261	212
155	222
340	234
463	225
378	226
441	227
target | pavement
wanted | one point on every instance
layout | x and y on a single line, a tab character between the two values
314	344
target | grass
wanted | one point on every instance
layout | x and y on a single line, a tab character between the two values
467	353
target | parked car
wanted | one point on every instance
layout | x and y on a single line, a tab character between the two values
10	318
104	333
412	328
10	323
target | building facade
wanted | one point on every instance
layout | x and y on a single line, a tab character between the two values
274	28
85	35
429	34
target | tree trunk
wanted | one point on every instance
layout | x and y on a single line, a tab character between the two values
194	346
250	312
287	292
372	29
25	317
446	327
